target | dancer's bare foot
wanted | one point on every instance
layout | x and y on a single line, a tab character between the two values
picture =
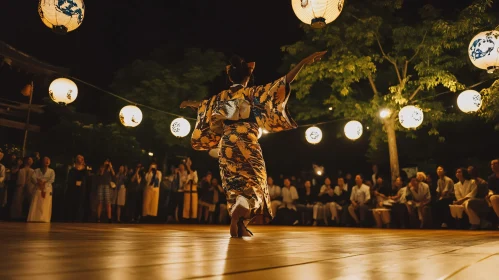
238	213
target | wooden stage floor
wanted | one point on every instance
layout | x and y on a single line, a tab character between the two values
121	252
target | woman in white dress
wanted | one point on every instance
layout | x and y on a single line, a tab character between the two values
41	203
151	192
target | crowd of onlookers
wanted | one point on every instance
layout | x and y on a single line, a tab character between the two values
30	189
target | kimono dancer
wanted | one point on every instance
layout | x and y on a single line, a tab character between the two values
230	121
41	203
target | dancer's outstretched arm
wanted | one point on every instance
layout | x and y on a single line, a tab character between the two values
310	59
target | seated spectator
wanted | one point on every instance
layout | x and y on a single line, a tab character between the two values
445	197
325	196
341	199
420	198
287	210
398	202
493	182
381	213
275	195
306	203
359	198
465	189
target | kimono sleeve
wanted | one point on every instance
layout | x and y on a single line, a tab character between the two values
270	108
206	135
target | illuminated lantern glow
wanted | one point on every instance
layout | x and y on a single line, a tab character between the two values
411	117
469	101
180	127
385	113
483	51
313	135
317	13
319	170
353	130
130	116
63	91
62	16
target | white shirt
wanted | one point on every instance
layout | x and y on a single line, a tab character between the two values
24	177
289	195
337	189
48	177
149	178
274	191
445	185
360	194
467	189
402	192
422	194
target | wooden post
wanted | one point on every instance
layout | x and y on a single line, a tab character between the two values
27	120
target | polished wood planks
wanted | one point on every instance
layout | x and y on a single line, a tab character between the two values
121	251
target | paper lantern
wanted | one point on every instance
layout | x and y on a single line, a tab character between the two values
385	113
63	91
313	135
317	13
319	170
130	116
180	127
411	117
469	101
214	152
353	130
483	51
62	16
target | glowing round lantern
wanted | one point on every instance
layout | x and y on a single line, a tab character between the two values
180	127
317	13
411	117
130	116
469	101
63	91
483	51
313	135
353	130
62	16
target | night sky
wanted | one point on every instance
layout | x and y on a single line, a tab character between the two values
113	34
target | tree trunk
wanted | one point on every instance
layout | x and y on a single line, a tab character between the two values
392	148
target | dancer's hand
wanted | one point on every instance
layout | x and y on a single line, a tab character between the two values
314	57
189	103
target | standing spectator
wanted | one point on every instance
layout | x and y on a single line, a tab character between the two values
76	190
445	197
23	191
375	175
222	202
206	199
190	210
41	204
151	191
103	181
135	193
119	197
359	198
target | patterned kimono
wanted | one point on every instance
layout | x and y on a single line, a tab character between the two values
230	121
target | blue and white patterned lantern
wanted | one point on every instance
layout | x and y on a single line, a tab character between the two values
313	135
483	51
353	130
180	127
317	13
62	16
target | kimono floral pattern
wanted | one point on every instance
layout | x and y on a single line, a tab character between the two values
242	167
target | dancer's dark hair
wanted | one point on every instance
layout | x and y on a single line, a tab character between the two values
239	69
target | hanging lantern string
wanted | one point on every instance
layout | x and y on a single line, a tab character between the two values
129	101
445	92
321	123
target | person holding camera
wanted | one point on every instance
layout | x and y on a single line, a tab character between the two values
151	191
104	179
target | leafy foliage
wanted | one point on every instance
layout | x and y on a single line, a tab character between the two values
388	54
164	81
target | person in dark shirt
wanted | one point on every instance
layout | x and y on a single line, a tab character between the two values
493	183
307	198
